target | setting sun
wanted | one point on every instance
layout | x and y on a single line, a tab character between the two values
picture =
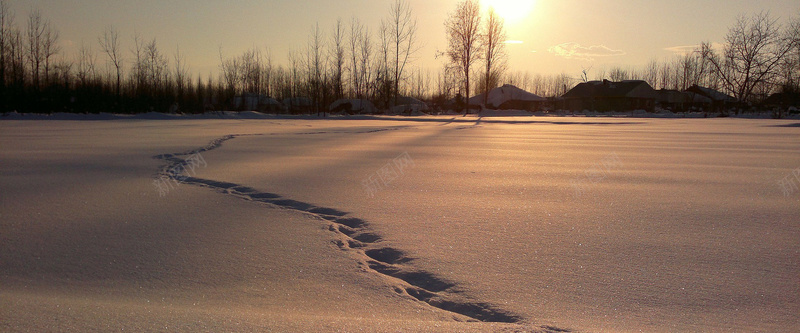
512	11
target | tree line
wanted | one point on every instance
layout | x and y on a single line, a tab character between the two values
352	60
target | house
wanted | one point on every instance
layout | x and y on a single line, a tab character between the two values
298	105
409	106
610	96
353	106
509	97
783	100
711	100
673	100
256	102
681	100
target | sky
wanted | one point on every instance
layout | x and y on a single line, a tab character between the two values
549	36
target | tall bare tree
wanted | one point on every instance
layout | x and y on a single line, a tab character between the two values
35	34
755	48
50	48
109	42
156	65
315	68
354	44
42	44
493	44
365	51
86	70
338	57
383	76
403	33
791	65
6	24
182	79
231	73
16	53
267	70
463	32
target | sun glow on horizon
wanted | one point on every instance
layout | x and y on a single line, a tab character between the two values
512	11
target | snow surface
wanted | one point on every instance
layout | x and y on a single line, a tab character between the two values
589	224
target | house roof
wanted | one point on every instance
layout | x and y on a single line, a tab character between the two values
406	100
711	93
674	96
605	88
507	92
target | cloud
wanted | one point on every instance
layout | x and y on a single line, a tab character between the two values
686	49
682	49
578	51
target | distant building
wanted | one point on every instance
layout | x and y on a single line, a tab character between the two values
782	103
298	105
509	97
409	106
783	100
353	106
711	100
673	100
256	102
610	96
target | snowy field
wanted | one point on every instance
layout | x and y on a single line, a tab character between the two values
542	224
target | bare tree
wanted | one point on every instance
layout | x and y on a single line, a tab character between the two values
463	32
561	84
138	72
383	77
6	24
35	34
86	70
16	53
63	73
665	75
791	64
338	56
295	63
493	45
755	48
403	34
267	70
353	44
650	73
50	48
156	65
230	74
314	62
109	42
250	79
446	83
182	79
618	74
360	48
42	45
365	59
